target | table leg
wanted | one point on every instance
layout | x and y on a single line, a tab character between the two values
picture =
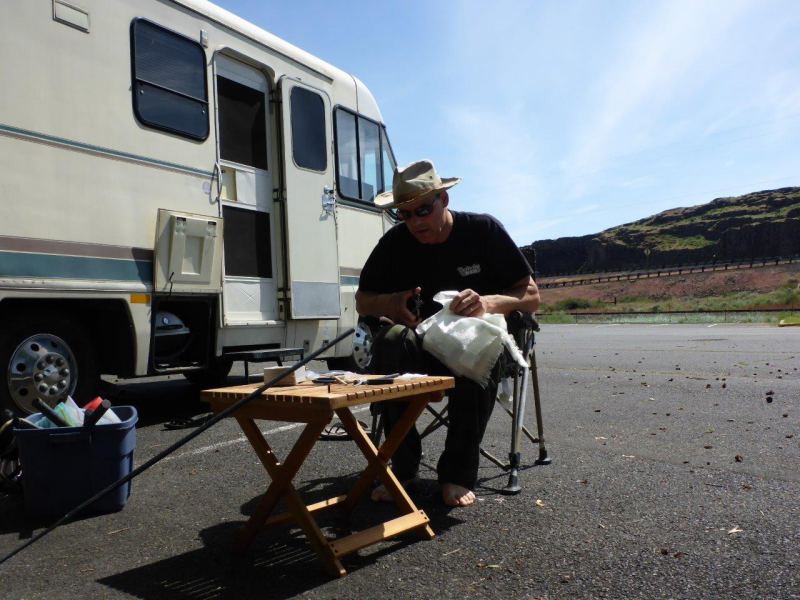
378	458
281	475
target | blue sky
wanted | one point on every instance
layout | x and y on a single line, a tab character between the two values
569	117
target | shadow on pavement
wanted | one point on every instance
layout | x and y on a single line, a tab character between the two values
280	563
14	519
161	400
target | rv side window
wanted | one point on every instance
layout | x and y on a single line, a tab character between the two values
364	160
308	130
369	144
346	154
169	81
388	161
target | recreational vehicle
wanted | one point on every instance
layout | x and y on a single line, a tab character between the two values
178	189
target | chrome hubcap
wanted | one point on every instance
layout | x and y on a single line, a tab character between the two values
42	366
362	346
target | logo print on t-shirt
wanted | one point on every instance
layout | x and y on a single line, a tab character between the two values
468	270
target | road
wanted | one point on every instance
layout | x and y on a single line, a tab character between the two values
676	474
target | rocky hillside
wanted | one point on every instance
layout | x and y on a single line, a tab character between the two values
761	224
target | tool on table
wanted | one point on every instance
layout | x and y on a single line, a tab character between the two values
383	379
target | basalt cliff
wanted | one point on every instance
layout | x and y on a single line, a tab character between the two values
757	225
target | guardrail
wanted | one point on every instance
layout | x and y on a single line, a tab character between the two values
555	281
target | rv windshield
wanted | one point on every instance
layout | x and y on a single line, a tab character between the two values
387	159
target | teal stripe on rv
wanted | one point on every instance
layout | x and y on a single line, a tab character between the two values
51	139
55	266
346	280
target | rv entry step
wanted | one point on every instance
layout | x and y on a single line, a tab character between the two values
259	356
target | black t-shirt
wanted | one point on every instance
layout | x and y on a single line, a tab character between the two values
478	254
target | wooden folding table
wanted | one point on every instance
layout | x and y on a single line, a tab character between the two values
315	406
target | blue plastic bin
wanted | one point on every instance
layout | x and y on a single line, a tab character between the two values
65	466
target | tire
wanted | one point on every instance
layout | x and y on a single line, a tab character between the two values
215	375
47	358
359	361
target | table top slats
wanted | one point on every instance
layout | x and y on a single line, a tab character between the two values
330	396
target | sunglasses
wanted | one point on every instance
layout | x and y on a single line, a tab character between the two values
421	211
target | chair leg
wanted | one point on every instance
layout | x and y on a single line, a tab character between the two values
439	419
376	428
492	458
543	459
517	417
525	430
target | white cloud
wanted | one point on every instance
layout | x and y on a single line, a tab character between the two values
630	93
499	159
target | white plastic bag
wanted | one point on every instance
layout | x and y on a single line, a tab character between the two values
468	346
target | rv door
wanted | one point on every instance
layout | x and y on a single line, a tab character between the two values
309	203
246	173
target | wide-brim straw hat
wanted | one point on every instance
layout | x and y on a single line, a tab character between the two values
414	182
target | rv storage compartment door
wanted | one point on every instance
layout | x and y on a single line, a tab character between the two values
188	253
310	206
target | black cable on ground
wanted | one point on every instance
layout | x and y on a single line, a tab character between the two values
181	442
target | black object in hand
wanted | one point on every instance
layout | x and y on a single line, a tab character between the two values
414	305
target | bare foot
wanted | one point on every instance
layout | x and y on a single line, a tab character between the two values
456	495
381	494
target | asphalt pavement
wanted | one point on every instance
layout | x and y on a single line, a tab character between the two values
675	474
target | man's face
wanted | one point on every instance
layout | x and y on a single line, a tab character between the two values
427	219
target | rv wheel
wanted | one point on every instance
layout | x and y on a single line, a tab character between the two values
47	358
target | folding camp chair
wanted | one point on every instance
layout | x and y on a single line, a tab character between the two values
522	327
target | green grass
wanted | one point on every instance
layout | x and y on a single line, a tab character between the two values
571	304
789	319
667	241
786	295
556	318
683	318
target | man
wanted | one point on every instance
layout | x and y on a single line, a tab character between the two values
436	249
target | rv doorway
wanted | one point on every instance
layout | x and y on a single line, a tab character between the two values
246	204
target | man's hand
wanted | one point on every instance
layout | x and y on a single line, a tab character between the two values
469	303
393	306
399	312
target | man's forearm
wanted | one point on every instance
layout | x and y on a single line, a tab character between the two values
524	296
370	304
392	305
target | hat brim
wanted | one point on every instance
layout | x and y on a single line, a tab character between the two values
386	199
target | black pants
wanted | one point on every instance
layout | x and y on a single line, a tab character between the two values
399	349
